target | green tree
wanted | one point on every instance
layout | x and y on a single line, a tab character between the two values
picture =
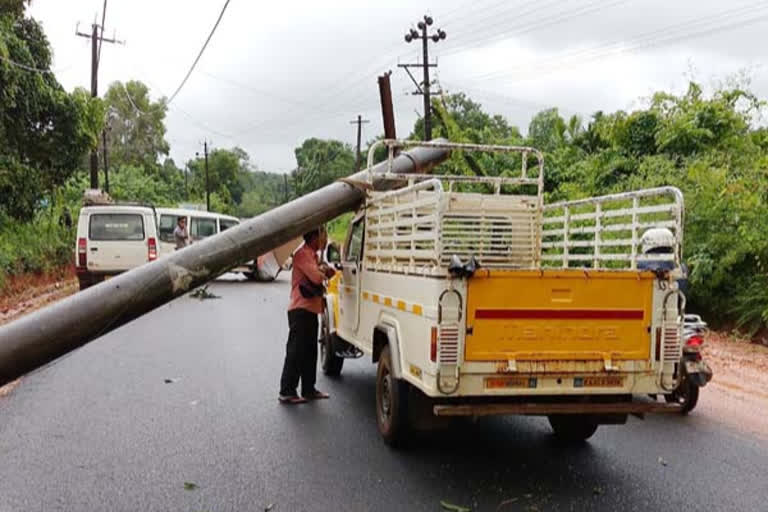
320	162
44	131
135	125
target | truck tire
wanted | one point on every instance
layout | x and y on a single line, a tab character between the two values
391	402
572	428
329	361
686	394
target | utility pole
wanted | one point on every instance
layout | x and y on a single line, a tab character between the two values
359	122
387	111
207	186
106	164
97	38
425	37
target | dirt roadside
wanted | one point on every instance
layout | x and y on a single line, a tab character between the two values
737	396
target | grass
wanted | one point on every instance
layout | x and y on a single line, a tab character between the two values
38	247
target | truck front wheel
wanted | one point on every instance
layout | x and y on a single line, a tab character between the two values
572	428
391	402
330	362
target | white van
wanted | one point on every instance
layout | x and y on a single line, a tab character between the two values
112	239
200	224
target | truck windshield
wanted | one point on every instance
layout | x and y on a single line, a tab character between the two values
116	226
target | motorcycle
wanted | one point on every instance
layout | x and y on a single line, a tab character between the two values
695	373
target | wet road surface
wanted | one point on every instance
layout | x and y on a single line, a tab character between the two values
102	430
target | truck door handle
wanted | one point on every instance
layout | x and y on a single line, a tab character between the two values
94	249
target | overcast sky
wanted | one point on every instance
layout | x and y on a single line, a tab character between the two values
276	73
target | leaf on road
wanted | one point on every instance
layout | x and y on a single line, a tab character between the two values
597	490
190	486
454	508
202	293
505	503
170	381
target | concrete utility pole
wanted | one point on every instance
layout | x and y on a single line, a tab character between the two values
106	164
387	111
97	39
207	185
425	37
359	122
36	339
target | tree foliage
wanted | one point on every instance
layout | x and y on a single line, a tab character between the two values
44	131
135	125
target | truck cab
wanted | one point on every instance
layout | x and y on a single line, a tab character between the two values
475	298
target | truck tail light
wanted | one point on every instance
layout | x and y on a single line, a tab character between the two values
82	255
151	249
433	345
695	341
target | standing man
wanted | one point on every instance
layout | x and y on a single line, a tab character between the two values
180	235
306	303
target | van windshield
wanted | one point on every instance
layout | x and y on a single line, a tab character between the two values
116	226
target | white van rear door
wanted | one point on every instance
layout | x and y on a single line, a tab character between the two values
117	241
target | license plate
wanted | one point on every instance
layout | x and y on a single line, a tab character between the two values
603	382
693	367
510	382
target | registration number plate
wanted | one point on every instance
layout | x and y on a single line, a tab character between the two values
510	382
599	382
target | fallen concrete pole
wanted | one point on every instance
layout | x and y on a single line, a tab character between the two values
39	338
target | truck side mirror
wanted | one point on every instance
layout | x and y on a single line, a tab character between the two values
332	254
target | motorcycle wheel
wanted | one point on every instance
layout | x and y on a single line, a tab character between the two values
686	394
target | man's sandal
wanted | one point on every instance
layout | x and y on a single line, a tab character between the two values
317	395
291	400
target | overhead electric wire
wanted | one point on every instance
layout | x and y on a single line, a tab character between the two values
197	59
530	26
25	67
103	19
657	37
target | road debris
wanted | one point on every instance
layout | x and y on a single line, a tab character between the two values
202	293
662	461
190	486
597	490
171	381
505	503
269	507
454	508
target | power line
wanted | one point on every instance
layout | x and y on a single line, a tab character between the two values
657	37
25	67
528	27
197	59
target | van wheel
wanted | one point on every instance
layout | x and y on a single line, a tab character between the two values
572	428
89	280
391	402
330	362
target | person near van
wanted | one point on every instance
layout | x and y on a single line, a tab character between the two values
180	234
306	304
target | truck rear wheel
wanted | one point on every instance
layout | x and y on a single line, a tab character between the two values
572	428
329	361
391	402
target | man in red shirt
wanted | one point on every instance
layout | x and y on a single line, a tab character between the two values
306	303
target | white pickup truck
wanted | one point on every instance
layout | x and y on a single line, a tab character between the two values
476	298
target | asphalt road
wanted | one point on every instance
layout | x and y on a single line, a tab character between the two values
102	430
